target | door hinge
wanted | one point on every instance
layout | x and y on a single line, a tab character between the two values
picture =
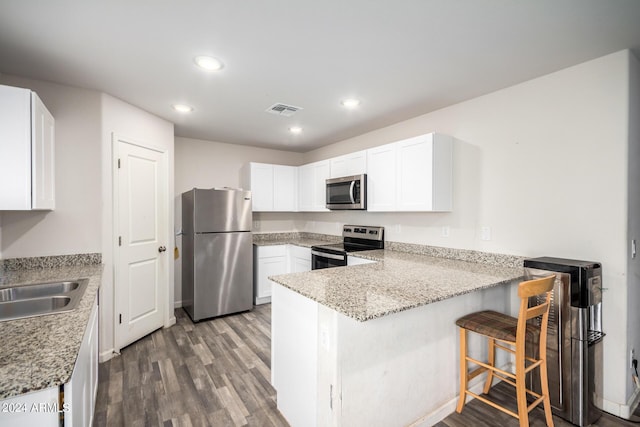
119	240
120	319
118	163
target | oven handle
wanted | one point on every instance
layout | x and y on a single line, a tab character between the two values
326	255
351	192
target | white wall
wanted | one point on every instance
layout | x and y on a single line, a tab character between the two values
633	274
126	120
544	164
207	164
74	226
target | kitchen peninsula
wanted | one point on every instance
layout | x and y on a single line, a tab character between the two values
376	344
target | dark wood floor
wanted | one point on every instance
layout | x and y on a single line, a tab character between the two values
479	414
213	373
216	373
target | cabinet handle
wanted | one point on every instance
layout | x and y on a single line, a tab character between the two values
162	249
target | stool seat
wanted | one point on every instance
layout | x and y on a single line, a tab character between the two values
511	334
496	325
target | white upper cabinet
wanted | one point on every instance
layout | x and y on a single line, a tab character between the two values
349	164
415	174
381	178
27	145
411	175
285	188
273	187
312	186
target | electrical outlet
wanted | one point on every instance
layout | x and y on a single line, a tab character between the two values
256	225
445	231
485	233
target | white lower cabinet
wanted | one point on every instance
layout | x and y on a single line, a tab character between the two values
42	408
273	260
81	391
268	261
299	259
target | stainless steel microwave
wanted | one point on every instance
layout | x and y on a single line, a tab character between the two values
347	192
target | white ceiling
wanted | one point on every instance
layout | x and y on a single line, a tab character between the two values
402	58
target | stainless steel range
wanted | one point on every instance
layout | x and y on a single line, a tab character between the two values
355	238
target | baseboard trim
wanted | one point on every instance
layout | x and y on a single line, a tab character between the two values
170	322
177	304
262	300
623	411
105	355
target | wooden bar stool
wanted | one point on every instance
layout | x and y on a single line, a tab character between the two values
502	330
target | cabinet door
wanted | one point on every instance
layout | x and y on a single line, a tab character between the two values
349	164
285	188
299	259
81	390
414	171
424	171
339	167
306	188
261	187
16	411
321	172
356	163
15	148
270	266
42	155
268	261
381	178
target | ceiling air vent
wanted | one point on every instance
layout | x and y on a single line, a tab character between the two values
283	109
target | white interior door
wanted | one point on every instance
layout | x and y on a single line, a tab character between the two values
141	227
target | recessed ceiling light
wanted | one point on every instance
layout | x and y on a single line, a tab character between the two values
209	63
181	108
295	129
350	103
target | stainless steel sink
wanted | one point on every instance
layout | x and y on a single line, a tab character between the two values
37	290
40	299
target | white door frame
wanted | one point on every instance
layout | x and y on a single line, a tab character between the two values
169	317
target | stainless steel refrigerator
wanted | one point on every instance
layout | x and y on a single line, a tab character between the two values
217	250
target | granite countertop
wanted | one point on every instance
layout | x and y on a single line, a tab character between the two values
398	281
40	352
307	242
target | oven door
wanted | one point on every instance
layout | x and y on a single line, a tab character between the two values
321	260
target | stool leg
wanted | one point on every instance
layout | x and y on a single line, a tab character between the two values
463	370
521	388
491	361
544	383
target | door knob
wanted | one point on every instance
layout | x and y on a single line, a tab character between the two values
162	249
